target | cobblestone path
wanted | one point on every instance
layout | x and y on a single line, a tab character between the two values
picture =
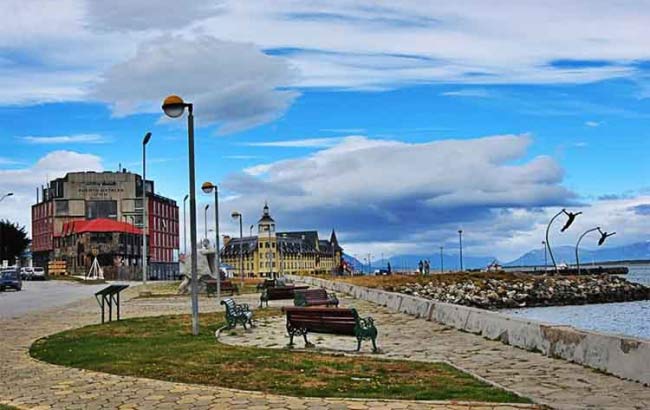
29	384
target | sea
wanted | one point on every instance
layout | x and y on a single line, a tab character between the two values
627	318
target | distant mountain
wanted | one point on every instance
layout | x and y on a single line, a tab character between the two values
566	254
410	262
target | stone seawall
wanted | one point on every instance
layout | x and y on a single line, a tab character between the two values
625	357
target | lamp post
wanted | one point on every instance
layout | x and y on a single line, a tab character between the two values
205	221
236	215
571	217
185	226
174	107
545	255
442	269
145	141
208	187
603	236
8	194
460	244
250	230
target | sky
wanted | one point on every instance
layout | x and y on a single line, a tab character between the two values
395	123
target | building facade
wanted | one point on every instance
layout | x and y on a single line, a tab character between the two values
83	196
272	253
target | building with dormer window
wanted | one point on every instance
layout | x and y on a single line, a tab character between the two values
271	253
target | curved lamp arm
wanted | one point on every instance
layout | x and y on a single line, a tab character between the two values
585	233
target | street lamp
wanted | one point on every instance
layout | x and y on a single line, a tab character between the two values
8	194
145	141
250	230
237	215
545	255
185	226
207	188
205	221
460	244
174	106
603	236
571	217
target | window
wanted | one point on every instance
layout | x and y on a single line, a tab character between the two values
101	209
62	207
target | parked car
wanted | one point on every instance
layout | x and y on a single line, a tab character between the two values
38	273
26	273
10	278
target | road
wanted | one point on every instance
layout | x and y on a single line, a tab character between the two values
42	295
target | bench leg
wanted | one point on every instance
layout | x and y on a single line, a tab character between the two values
307	343
358	344
374	346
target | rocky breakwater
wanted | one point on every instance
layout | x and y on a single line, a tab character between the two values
495	293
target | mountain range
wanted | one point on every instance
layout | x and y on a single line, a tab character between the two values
562	254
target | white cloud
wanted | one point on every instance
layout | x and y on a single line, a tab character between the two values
23	182
414	194
67	139
232	84
593	124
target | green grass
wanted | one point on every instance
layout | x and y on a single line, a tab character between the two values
162	348
5	407
77	280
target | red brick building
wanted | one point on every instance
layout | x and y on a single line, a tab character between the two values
81	196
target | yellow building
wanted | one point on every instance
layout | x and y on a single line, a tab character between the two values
271	253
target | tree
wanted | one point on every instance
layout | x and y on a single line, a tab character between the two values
13	241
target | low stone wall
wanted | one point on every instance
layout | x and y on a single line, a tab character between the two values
628	358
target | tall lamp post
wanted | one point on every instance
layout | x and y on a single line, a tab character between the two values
250	230
185	226
145	141
237	215
570	218
208	187
545	255
442	269
174	107
603	236
460	245
8	194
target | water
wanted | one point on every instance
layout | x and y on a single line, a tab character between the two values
628	318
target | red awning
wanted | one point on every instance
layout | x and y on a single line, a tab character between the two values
99	225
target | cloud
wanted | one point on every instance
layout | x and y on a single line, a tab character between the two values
67	139
298	143
593	124
469	92
148	14
8	161
412	193
23	182
232	84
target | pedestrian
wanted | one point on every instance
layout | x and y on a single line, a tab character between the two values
420	267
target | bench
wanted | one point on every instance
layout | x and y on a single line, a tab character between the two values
279	293
315	297
268	283
237	313
302	320
226	287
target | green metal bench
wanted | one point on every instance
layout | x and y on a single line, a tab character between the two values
279	293
315	297
302	320
237	313
227	287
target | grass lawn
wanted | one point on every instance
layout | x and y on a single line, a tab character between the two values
5	407
167	289
162	348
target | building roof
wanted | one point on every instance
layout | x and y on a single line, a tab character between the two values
99	225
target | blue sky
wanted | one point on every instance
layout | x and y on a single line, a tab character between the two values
394	124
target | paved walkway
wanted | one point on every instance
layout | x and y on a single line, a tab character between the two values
553	382
30	384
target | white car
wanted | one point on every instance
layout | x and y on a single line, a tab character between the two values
26	273
38	273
